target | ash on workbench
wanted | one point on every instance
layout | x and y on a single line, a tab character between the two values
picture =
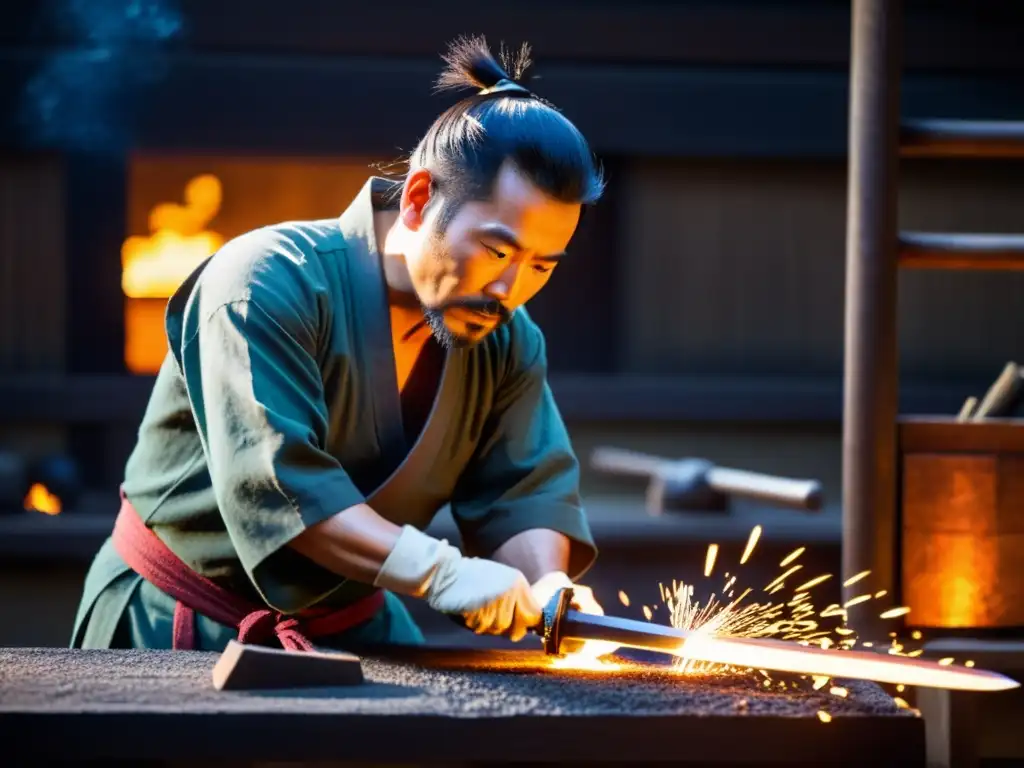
452	683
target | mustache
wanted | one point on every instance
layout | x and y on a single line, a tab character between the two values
489	307
433	316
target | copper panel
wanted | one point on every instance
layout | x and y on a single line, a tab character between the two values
961	580
950	493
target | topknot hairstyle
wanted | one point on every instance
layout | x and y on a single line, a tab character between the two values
502	121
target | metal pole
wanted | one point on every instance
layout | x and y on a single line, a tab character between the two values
871	352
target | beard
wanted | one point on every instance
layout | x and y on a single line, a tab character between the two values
494	311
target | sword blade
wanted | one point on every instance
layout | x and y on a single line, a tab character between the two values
781	655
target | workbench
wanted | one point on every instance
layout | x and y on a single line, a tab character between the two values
436	705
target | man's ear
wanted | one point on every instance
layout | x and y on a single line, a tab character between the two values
416	194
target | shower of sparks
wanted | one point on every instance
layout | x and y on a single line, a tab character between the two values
782	612
792	616
824	716
709	559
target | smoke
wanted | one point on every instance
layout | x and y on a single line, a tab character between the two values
84	96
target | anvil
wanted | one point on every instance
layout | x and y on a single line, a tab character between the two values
561	623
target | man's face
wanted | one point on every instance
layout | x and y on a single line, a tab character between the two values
494	256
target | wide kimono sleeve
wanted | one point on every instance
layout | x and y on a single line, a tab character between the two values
524	473
251	334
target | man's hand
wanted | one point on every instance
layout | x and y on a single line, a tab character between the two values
491	597
583	600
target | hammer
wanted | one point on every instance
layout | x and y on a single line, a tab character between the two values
697	484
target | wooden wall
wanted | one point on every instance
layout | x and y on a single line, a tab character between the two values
737	268
32	281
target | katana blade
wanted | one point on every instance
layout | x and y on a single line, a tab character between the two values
777	655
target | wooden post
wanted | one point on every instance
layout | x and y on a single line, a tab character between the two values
871	354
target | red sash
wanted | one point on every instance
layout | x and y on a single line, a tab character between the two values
149	557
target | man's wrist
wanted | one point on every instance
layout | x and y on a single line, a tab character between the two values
536	552
415	563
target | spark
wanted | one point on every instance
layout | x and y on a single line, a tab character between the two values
901	703
824	716
837	690
900	688
918	652
968	663
854	579
755	534
946	661
820	681
893	613
782	578
881	593
813	582
916	634
856	601
624	598
648	613
709	559
792	556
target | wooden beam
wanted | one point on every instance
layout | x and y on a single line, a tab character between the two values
796	33
121	400
962	138
941	250
933	434
220	103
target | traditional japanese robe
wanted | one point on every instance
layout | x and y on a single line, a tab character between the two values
278	407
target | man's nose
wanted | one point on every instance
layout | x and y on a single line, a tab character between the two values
504	287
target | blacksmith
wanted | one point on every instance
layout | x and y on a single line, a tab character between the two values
330	385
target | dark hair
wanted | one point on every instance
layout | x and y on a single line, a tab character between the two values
467	145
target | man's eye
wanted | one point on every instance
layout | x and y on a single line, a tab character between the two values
541	269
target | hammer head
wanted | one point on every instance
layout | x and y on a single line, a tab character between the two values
683	486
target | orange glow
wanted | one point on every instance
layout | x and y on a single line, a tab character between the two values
39	499
154	265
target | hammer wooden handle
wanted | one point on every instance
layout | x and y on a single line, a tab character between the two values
619	461
800	494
